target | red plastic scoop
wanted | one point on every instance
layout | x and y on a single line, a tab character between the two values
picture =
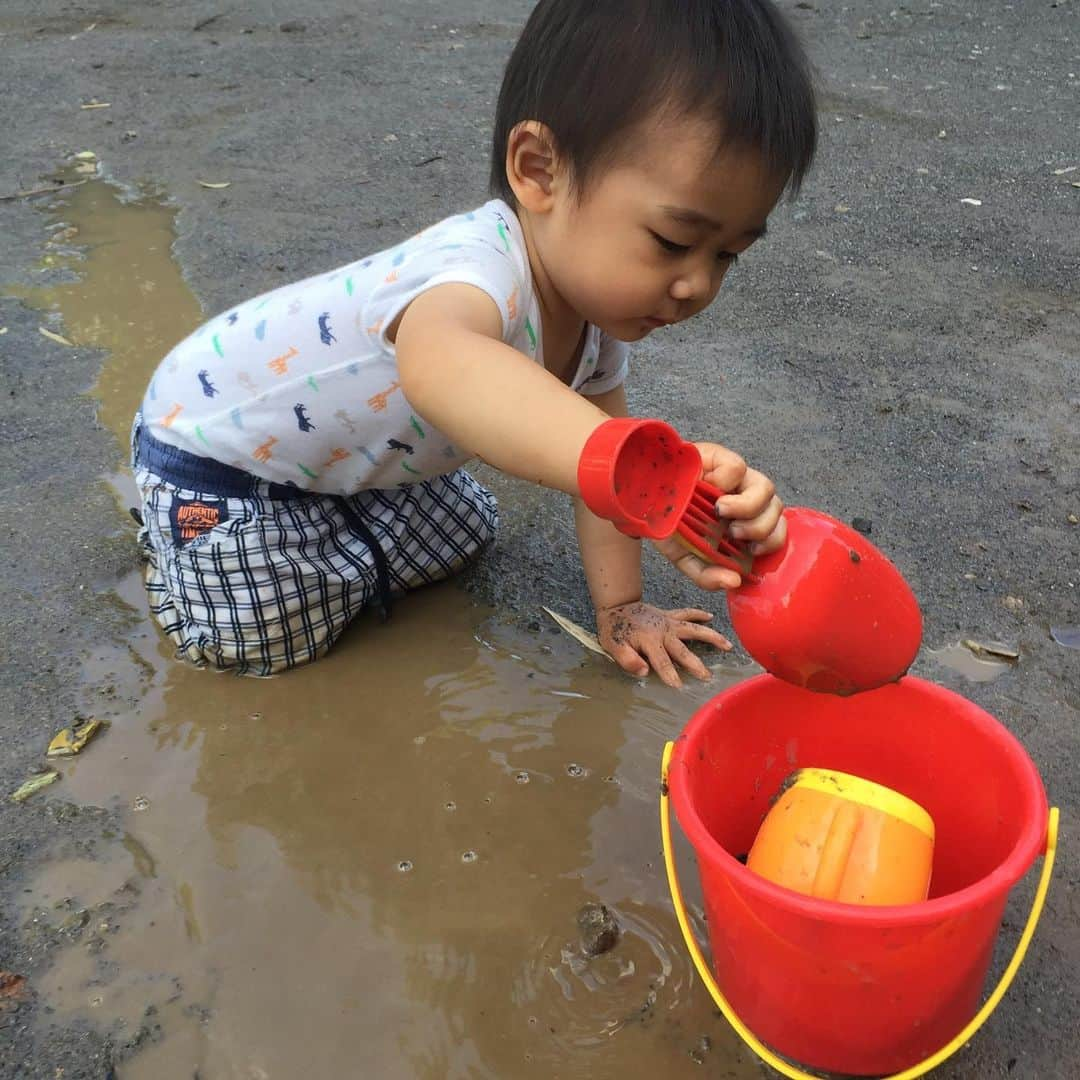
639	474
827	612
705	534
642	476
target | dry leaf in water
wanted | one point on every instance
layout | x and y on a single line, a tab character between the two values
12	987
995	650
213	186
580	635
72	739
34	784
58	338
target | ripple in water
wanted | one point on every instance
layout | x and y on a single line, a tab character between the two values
580	1002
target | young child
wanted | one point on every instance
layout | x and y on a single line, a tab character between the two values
301	455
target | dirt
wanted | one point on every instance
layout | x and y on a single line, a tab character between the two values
375	866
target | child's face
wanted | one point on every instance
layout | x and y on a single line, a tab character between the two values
652	238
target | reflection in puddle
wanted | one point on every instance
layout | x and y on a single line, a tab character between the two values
123	293
373	865
961	659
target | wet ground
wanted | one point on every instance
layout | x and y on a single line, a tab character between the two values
374	866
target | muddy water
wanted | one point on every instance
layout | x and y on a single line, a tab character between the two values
974	668
371	866
125	295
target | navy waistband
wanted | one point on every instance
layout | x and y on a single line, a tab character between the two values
204	475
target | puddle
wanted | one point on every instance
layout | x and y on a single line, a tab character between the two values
373	865
123	292
962	660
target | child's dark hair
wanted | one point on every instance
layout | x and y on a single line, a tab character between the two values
592	69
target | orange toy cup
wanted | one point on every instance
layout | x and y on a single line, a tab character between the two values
838	837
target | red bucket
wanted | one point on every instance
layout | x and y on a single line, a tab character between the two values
840	987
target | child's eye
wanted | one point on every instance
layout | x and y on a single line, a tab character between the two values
670	245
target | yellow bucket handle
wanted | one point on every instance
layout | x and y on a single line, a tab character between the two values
762	1051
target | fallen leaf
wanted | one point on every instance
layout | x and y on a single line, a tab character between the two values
841	208
972	202
97	105
580	635
86	155
996	649
12	987
1075	183
3	330
1069	169
58	338
1072	519
34	784
1069	636
211	184
72	739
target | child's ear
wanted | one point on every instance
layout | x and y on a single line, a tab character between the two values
532	165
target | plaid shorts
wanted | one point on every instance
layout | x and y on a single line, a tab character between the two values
258	578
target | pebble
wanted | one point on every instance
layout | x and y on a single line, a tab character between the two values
599	929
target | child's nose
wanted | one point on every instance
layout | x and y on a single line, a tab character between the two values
696	284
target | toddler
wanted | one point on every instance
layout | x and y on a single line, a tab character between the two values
302	454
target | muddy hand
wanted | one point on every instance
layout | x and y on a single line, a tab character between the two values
640	637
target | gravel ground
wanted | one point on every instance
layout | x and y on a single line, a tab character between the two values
892	352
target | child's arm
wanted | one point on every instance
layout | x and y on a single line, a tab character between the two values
635	634
487	397
491	400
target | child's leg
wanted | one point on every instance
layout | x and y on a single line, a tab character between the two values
270	586
429	531
260	579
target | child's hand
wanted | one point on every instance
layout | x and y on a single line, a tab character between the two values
751	504
639	636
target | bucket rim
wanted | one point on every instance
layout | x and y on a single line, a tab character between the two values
998	882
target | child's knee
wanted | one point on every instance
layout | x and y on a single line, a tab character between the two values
484	517
252	593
